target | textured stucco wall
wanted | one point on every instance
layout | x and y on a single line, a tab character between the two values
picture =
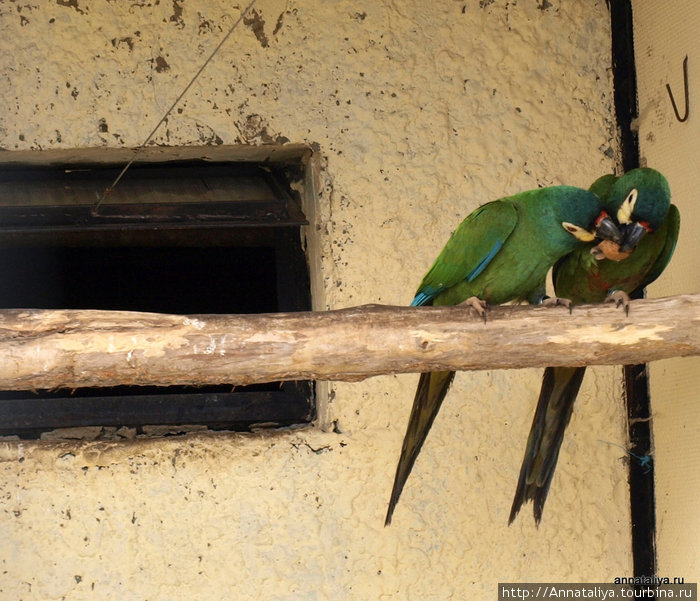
665	33
419	111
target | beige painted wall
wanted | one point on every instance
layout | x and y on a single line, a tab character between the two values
421	111
666	32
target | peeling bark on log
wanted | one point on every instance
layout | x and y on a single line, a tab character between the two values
42	349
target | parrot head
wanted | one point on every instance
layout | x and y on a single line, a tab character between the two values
589	221
640	200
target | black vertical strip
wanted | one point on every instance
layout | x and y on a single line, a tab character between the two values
624	79
641	477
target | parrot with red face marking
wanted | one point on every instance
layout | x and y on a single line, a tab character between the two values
641	202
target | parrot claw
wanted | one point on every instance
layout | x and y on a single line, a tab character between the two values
555	300
478	305
621	299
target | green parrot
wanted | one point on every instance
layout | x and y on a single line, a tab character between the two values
499	253
649	224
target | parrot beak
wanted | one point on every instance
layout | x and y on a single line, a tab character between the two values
605	228
633	233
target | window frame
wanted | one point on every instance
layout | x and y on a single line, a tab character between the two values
196	221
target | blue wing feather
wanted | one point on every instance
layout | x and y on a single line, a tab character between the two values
422	298
485	261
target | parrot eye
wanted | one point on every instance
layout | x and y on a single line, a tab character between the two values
624	214
578	232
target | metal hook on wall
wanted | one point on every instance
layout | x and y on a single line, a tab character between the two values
685	87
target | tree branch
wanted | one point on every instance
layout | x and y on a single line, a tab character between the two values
71	349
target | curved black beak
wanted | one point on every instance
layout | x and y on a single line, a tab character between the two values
633	233
606	229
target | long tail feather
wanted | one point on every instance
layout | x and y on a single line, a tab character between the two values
560	386
432	388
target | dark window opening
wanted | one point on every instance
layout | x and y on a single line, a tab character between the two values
158	279
184	239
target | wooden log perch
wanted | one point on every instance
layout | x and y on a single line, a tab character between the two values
42	349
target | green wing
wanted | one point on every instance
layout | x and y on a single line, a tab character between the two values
471	248
671	225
